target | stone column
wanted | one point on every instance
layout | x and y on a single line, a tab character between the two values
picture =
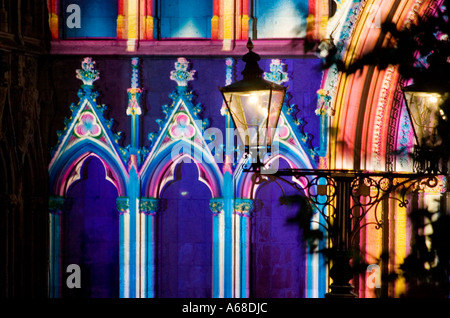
56	204
217	208
124	246
148	209
242	212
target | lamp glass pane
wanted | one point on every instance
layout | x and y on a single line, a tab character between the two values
424	109
249	111
275	109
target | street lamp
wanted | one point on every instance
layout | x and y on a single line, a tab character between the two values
255	106
342	197
424	102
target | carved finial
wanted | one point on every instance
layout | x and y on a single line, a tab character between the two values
87	73
181	75
277	74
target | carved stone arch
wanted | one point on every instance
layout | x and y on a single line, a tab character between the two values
296	158
171	173
362	104
311	268
161	170
64	174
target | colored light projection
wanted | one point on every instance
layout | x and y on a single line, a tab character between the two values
169	219
367	112
152	189
91	233
281	18
91	19
185	240
185	18
279	258
200	19
87	126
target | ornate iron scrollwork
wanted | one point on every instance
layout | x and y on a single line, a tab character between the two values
344	198
367	190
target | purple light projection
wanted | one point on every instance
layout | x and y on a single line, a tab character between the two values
278	255
91	234
185	237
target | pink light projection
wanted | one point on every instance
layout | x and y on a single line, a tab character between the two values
183	127
88	126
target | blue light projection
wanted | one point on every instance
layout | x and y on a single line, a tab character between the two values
97	19
281	18
185	18
199	239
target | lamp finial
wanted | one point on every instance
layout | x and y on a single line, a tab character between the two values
252	69
250	44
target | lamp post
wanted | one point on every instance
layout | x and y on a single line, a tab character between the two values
343	197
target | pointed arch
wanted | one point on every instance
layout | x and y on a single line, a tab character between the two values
365	103
90	232
294	156
278	257
161	168
184	238
66	169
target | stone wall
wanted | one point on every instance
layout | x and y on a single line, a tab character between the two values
25	101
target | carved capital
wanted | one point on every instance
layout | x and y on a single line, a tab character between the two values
123	204
56	204
149	206
243	207
216	205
